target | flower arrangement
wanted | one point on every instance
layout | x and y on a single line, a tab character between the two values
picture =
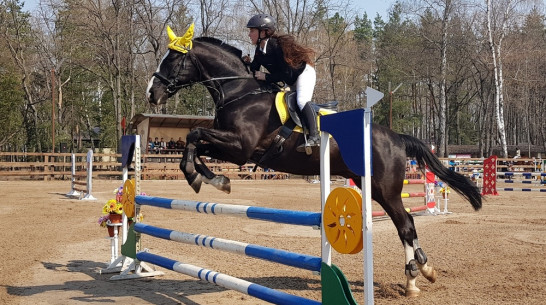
445	191
115	207
111	207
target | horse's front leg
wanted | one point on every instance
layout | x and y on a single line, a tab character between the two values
217	144
187	166
220	182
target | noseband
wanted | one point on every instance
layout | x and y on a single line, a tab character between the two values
171	85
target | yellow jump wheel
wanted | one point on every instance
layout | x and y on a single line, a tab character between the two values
343	220
128	198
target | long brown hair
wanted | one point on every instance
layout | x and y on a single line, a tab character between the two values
295	54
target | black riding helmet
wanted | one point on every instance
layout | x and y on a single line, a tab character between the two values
262	22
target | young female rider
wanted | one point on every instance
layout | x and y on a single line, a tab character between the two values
286	61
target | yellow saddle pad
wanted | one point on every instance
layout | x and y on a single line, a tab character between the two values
284	115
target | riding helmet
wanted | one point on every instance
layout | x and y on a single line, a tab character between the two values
262	22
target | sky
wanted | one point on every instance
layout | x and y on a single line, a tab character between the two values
371	7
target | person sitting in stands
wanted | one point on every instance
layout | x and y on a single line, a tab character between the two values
180	144
157	145
150	145
162	145
171	145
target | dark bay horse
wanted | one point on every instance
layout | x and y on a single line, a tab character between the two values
246	124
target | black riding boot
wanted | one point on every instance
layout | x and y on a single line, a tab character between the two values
310	120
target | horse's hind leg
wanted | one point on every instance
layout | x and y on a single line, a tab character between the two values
416	260
428	272
415	257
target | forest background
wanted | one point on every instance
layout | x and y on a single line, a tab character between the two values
463	72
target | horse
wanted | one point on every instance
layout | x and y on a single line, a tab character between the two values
246	124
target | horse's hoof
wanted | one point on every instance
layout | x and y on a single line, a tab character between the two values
221	183
194	180
430	276
412	293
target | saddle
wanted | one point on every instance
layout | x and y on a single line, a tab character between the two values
289	114
287	108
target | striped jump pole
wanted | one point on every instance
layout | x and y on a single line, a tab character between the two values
524	181
409	210
526	174
226	281
510	189
274	215
414	194
302	261
414	181
429	205
350	182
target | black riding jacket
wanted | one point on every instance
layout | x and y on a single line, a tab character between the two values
273	61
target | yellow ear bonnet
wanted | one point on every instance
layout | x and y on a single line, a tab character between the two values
181	44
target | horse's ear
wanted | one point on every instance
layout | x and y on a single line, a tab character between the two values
170	32
189	33
181	44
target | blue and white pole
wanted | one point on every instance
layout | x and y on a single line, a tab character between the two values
301	218
226	281
293	259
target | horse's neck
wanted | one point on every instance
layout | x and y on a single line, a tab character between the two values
229	82
218	63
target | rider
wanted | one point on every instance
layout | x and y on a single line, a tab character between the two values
286	61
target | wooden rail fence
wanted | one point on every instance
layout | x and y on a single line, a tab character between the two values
48	166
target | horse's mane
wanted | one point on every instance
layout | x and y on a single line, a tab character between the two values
217	42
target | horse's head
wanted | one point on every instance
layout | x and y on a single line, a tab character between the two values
205	60
173	72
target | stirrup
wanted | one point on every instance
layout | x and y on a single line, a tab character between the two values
307	147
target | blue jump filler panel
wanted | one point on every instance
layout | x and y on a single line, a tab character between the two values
348	130
127	149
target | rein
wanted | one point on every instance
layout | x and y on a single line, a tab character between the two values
172	85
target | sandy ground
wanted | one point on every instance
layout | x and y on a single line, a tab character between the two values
52	248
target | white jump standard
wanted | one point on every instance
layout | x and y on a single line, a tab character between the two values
76	182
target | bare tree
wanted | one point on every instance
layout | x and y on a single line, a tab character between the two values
16	33
498	19
295	17
441	10
212	13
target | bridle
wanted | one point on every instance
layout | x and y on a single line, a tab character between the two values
173	85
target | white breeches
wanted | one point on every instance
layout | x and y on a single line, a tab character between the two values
305	85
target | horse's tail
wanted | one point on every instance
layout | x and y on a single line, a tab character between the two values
415	148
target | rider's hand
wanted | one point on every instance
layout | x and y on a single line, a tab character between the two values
247	59
259	75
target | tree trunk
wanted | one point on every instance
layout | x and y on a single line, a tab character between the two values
497	73
442	128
